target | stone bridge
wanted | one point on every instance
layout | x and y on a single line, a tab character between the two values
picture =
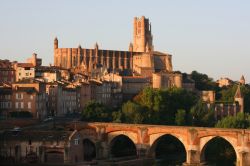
145	137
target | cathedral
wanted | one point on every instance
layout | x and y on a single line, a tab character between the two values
140	60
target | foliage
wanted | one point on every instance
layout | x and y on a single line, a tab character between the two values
162	105
202	115
21	114
246	93
180	117
95	111
203	82
240	121
132	113
117	116
227	93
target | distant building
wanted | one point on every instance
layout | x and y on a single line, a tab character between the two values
224	108
30	95
5	100
34	60
132	85
224	82
140	60
24	71
7	72
242	80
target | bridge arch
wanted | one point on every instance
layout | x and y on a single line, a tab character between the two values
204	142
89	149
175	142
154	137
122	146
131	135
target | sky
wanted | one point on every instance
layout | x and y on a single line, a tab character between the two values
209	36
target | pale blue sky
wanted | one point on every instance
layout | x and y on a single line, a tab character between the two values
210	36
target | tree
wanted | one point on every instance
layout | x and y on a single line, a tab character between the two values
161	105
203	82
132	113
201	115
95	111
180	117
240	121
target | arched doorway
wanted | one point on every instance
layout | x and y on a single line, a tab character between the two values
168	150
89	150
218	151
122	146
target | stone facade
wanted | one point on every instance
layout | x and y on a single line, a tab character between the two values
7	72
139	60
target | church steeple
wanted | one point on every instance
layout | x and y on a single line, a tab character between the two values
242	80
238	97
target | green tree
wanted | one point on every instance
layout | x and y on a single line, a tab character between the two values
117	116
95	111
227	93
162	105
246	93
180	117
201	115
132	113
240	121
203	82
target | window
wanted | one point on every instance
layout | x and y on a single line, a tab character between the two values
16	104
31	97
29	105
19	96
76	141
21	104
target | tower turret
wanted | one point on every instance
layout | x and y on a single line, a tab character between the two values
239	98
130	47
142	35
242	80
55	43
96	46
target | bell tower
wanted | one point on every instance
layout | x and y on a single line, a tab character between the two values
143	39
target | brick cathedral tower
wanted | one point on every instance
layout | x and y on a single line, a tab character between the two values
143	39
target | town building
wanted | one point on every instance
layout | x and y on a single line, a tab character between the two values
5	99
30	95
24	71
224	82
224	108
7	72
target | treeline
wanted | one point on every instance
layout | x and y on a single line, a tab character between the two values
173	106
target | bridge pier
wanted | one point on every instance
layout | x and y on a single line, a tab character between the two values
141	150
243	159
192	158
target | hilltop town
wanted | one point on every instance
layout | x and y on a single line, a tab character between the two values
111	77
46	111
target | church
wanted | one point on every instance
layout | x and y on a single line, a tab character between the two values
139	60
